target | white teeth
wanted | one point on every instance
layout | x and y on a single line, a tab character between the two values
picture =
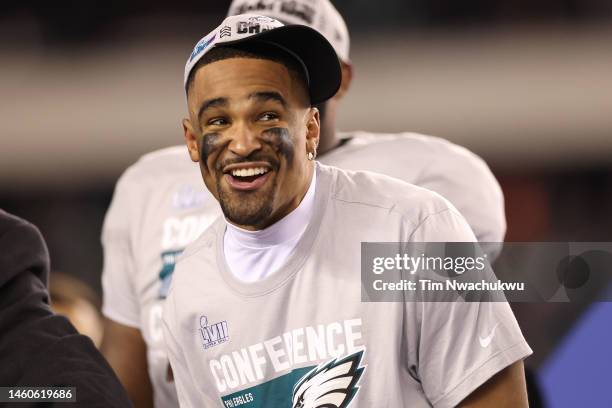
253	171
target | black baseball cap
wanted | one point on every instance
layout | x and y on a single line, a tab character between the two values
310	48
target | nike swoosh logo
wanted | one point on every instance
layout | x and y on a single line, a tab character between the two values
486	341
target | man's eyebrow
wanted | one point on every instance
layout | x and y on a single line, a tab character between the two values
211	103
270	95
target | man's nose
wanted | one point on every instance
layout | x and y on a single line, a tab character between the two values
244	140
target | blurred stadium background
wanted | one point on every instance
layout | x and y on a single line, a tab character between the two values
87	87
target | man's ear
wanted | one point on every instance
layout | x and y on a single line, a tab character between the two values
347	78
191	140
313	130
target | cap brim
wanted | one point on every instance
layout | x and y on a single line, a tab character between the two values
317	54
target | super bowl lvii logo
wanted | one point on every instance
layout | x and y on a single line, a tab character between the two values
213	334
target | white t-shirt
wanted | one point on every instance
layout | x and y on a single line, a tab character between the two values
305	327
253	255
160	205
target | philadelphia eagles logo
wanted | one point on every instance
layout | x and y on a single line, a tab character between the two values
331	385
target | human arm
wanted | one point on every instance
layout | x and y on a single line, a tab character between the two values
126	352
506	389
123	344
463	350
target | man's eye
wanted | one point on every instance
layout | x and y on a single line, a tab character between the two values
217	122
268	116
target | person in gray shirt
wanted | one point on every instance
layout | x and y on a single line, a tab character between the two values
160	206
264	308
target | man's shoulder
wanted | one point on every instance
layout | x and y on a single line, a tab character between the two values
166	163
164	154
22	247
14	230
9	221
434	163
365	188
398	144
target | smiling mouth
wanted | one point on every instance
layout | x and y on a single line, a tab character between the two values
246	177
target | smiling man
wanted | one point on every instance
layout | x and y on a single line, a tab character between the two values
265	306
160	205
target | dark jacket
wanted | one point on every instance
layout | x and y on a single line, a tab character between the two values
38	347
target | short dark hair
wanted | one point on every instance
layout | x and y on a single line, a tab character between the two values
255	50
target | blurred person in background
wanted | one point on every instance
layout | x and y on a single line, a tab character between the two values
72	298
160	206
39	348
